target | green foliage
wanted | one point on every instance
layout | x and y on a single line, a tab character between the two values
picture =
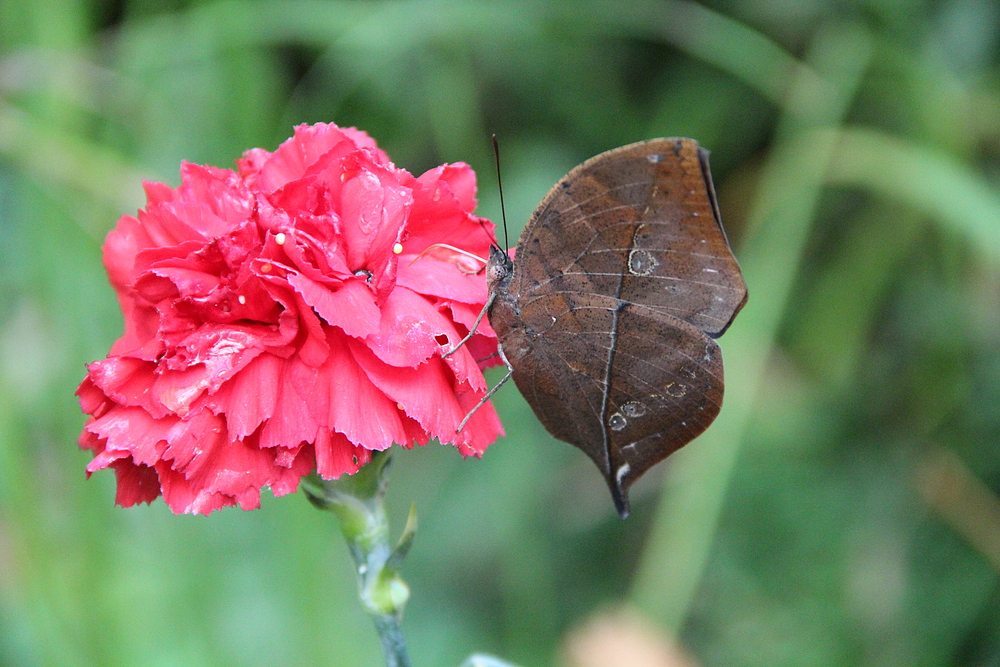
842	510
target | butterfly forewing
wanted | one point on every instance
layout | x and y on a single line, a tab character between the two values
637	223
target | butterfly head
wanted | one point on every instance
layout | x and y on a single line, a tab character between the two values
499	268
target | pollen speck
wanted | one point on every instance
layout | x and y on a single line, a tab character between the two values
399	405
242	299
265	268
398	248
279	238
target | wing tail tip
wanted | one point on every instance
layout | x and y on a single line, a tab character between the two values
620	498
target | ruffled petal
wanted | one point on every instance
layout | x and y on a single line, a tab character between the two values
351	306
413	330
230	473
131	432
249	399
126	381
439	216
373	212
298	463
457	179
336	455
93	401
446	276
427	394
136	483
353	405
297	154
313	348
190	441
293	421
215	200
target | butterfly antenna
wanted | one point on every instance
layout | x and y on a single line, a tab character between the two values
503	212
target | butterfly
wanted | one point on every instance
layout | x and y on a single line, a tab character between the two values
607	315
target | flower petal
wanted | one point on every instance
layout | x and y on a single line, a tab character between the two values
344	398
412	330
229	473
428	395
442	279
190	440
296	155
314	349
136	483
459	180
127	381
132	431
92	399
293	421
336	455
350	307
249	398
374	208
439	216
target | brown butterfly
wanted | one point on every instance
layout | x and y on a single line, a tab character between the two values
606	317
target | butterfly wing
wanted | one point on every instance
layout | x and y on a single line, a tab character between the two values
639	223
624	383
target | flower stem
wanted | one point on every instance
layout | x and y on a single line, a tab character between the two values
393	644
357	500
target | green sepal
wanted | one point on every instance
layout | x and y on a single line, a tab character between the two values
402	547
357	500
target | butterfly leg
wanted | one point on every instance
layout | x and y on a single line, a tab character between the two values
493	389
472	332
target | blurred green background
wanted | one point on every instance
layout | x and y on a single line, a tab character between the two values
841	511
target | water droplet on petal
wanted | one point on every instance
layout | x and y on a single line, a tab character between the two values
616	422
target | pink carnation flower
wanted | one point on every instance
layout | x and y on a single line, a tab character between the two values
282	319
